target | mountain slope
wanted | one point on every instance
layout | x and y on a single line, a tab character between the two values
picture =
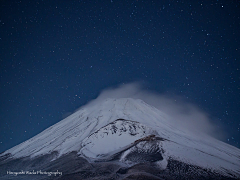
128	134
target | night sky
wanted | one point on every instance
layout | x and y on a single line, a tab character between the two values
56	56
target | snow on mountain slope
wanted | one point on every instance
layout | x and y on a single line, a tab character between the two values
67	135
109	126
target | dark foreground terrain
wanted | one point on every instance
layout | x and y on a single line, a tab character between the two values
74	167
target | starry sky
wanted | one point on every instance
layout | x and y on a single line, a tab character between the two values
56	56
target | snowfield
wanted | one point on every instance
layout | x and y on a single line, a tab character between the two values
113	125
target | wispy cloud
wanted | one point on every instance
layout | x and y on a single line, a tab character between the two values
183	114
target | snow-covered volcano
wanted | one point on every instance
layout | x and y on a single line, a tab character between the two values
128	134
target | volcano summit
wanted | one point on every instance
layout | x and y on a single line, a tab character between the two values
120	139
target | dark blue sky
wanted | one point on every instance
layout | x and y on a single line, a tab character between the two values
57	55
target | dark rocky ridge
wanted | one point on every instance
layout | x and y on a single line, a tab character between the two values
74	167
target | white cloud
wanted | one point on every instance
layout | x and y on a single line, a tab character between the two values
183	114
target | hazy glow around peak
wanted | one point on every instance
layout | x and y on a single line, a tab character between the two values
183	114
